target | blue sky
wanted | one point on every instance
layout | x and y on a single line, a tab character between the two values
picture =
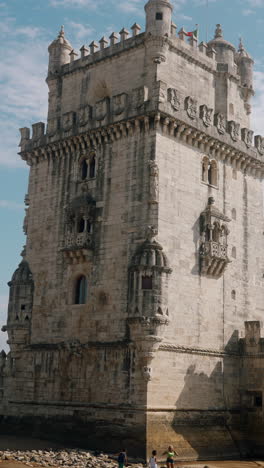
26	29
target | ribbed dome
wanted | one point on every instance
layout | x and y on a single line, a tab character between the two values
219	40
150	254
22	273
242	53
60	40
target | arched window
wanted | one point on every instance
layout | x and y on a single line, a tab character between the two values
92	168
212	173
81	289
81	225
205	165
216	232
89	226
233	295
84	169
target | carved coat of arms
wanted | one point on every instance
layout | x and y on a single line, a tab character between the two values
101	109
68	121
174	98
191	107
220	123
84	115
139	96
259	143
119	103
234	130
206	114
247	136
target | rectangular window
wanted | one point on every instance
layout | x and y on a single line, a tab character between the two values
146	282
159	16
258	401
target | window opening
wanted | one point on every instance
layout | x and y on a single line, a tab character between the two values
84	169
81	290
23	307
81	225
89	226
159	16
258	401
92	167
146	282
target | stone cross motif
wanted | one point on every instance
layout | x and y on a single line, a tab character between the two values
247	136
119	103
220	123
84	115
259	144
206	114
191	107
101	109
234	130
174	99
68	120
154	182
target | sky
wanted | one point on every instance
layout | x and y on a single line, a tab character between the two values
26	29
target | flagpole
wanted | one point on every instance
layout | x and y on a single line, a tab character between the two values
207	15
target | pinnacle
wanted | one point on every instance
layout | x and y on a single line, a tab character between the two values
62	32
218	31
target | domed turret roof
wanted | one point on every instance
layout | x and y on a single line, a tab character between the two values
22	273
219	40
242	53
151	255
60	40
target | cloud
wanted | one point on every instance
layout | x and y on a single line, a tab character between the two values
132	6
256	3
248	12
80	31
258	104
74	3
184	17
11	205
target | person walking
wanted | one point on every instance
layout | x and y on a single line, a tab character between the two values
171	453
153	460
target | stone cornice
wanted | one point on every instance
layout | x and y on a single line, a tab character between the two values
207	141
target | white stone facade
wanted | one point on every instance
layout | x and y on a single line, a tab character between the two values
144	248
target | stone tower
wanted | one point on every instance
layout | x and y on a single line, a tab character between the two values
144	253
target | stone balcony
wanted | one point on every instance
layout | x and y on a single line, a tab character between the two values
214	258
78	246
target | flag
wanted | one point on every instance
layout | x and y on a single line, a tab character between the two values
192	33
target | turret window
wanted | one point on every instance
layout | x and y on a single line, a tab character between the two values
81	290
87	167
146	282
92	168
159	16
84	170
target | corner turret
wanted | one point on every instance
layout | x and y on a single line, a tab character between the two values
158	17
245	66
225	51
59	53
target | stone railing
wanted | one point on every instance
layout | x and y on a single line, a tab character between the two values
82	240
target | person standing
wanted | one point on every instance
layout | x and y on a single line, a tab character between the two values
122	458
171	453
153	460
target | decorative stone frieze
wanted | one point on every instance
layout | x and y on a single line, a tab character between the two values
68	121
213	248
234	130
174	99
191	107
206	114
84	115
